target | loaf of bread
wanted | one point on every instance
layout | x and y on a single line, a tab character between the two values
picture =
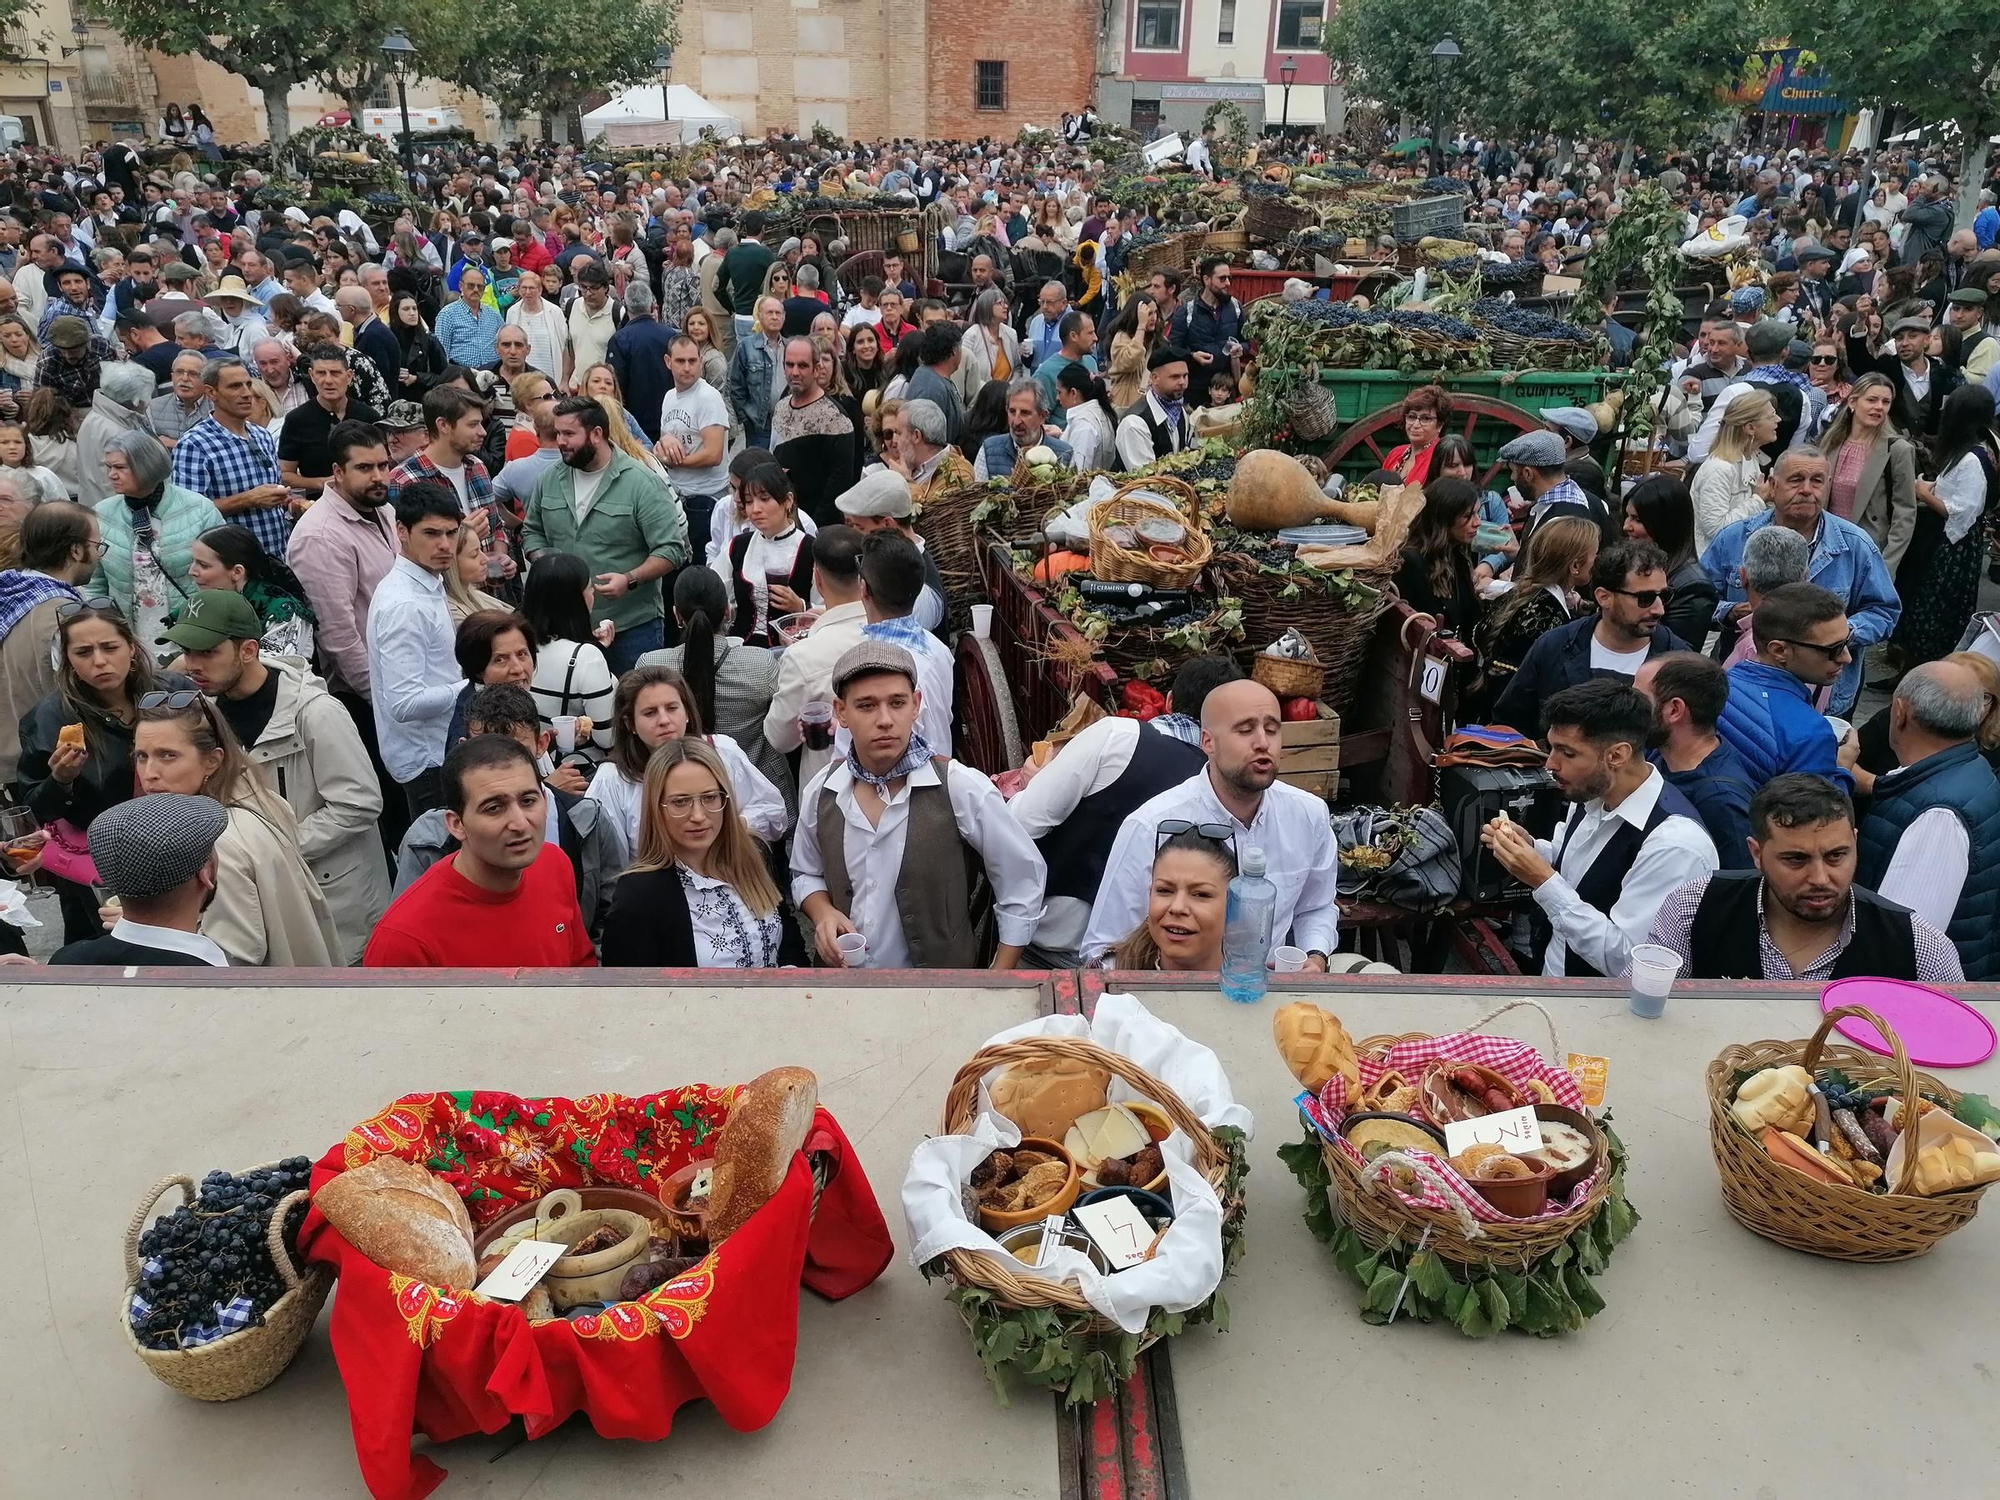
1045	1099
766	1128
403	1219
1315	1046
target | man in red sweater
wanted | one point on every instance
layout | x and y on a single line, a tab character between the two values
506	899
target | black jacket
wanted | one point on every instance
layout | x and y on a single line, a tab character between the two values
114	953
1692	614
1560	659
1918	420
106	778
649	927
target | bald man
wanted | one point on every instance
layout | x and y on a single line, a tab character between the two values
371	335
1238	796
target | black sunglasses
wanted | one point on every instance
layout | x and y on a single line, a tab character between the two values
1173	828
1644	597
1838	648
176	700
69	609
1824	359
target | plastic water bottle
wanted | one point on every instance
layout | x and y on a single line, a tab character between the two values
1246	931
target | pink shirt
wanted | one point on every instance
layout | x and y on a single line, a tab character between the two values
1745	648
1846	475
340	556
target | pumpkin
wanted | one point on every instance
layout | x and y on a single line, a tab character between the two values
1056	564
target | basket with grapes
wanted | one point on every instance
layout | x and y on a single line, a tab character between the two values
214	1303
1522	339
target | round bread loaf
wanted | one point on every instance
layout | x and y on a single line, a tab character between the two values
403	1219
1046	1098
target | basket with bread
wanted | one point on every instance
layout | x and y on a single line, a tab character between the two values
688	1219
1840	1152
1491	1236
1052	1118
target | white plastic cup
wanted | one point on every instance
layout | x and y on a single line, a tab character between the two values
1653	971
982	621
1841	729
853	949
1288	960
565	728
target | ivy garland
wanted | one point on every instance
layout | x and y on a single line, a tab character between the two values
1554	1295
1647	233
1232	134
1057	1350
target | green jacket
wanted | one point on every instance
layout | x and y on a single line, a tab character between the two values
181	517
634	516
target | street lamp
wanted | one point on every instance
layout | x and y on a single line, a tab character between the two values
1443	55
400	53
1287	70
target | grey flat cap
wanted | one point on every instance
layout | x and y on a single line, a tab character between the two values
1573	420
152	845
881	493
1767	338
1813	251
1902	325
1536	450
866	656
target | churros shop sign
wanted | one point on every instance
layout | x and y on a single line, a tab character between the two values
1782	80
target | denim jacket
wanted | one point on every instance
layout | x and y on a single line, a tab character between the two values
750	382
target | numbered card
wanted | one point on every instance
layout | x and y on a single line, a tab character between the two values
1432	685
1591	1073
526	1264
1119	1229
1516	1132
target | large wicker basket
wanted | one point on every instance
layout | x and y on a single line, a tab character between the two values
1266	216
1382	1219
1142	651
952	538
241	1362
1821	1218
1113	563
1340	637
1001	1275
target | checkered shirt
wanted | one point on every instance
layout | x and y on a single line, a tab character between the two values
213	461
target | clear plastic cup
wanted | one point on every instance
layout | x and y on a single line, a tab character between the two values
1653	972
1288	960
982	621
853	949
565	728
816	725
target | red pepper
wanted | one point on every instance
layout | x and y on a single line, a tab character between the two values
1142	701
1300	710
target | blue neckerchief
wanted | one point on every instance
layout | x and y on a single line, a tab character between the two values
916	754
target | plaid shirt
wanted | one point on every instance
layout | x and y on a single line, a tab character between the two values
213	461
75	382
478	487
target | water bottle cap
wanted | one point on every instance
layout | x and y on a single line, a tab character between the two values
1253	861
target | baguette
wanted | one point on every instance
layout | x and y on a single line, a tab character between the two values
403	1219
766	1127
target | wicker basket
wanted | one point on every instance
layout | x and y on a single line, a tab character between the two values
1382	1219
1130	652
1340	638
1226	242
1112	563
1001	1274
1288	678
250	1359
1174	253
1266	216
1310	410
952	539
1823	1218
1513	352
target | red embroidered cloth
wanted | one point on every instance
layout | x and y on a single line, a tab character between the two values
445	1363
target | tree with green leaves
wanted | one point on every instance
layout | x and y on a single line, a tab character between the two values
529	67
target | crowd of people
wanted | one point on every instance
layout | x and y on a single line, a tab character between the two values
534	579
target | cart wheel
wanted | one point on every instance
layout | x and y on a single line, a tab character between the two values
989	735
1485	423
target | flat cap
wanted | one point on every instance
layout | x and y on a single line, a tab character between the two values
1536	450
1813	250
1573	420
1968	296
68	332
1767	338
867	656
152	845
883	492
1902	325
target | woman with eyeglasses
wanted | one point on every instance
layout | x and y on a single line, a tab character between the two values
150	527
1659	510
1874	468
1939	577
1186	902
698	894
268	908
1425	412
67	781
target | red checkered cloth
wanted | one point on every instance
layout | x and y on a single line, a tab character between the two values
1514	1060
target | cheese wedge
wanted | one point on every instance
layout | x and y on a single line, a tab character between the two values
1106	1134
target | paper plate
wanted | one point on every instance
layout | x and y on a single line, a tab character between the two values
1938	1031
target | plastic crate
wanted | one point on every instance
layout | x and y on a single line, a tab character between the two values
1412	221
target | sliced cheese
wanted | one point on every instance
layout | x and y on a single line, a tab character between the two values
1105	1134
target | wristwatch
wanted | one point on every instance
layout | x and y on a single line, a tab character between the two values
629	584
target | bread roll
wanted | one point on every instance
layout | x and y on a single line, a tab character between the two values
766	1128
70	734
403	1219
1315	1046
1045	1099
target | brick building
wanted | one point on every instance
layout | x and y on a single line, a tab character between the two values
1163	62
996	65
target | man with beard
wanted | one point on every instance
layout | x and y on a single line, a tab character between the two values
1238	799
615	514
812	437
1630	838
1799	914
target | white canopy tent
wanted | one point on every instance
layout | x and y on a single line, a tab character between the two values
642	117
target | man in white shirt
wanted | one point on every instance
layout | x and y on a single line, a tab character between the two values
889	796
805	671
1935	819
1630	841
892	580
1157	425
1238	790
412	670
593	318
694	441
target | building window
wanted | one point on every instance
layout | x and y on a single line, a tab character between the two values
1299	22
990	85
1225	27
1158	26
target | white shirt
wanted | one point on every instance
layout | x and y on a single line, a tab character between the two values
874	856
456	477
1920	385
1091	440
756	799
857	315
727	934
1677	851
412	669
1625	663
1927	872
934	681
1291	828
723	525
587	482
1962	487
572	677
687	415
548	335
805	675
145	935
1135	439
1089	763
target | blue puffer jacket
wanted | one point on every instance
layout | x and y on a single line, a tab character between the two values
1845	561
1770	722
1960	779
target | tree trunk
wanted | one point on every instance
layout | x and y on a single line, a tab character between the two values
277	108
573	119
548	128
356	100
1971	172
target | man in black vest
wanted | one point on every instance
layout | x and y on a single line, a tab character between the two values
1799	914
1630	839
1072	807
1157	424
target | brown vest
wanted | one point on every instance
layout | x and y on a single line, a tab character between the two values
934	896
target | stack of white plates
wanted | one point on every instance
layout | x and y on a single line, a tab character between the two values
1323	534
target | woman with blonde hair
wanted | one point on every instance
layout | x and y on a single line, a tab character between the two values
1874	468
600	383
463	597
1726	486
268	908
698	894
1547	583
1185	906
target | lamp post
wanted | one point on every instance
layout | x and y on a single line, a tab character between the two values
663	64
1443	55
1287	70
399	51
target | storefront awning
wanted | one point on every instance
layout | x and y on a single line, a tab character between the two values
1308	105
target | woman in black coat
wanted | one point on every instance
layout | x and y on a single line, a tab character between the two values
1660	510
423	358
700	894
1435	575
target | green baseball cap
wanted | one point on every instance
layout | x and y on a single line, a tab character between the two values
212	617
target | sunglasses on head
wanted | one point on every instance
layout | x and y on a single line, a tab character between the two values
1173	828
69	609
177	699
